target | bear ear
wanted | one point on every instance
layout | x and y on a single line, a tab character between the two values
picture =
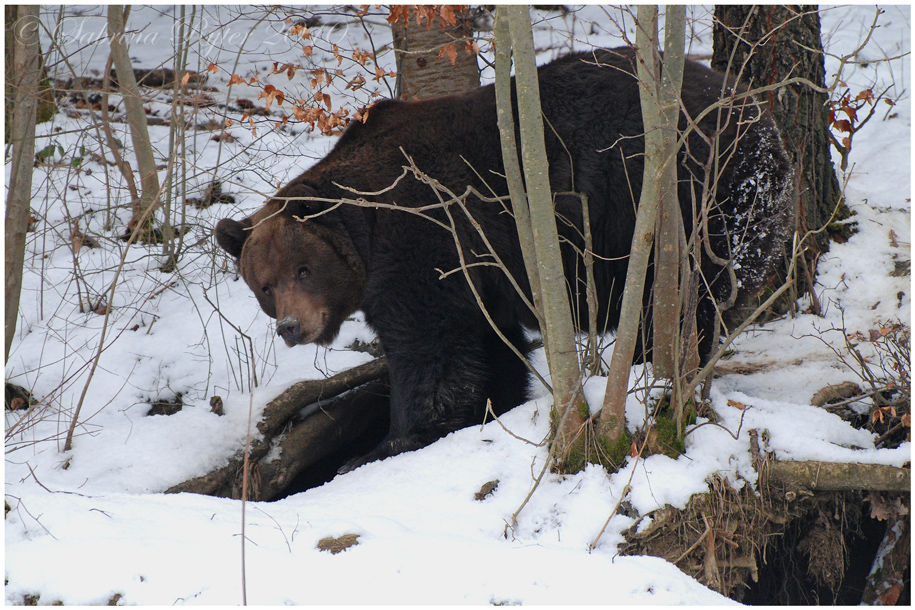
231	235
299	207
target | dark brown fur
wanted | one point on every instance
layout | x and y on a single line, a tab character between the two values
444	358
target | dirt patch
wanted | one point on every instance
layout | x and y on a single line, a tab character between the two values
338	545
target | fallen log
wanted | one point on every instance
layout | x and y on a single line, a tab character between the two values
280	409
840	476
325	430
336	410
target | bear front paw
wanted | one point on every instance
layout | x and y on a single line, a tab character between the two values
388	447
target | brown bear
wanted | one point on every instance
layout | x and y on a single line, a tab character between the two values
375	226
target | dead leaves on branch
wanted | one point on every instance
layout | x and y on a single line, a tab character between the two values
271	93
848	106
317	111
447	14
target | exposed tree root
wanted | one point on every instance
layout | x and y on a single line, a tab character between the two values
798	521
886	580
715	539
306	422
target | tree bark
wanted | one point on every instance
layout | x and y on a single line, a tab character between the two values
612	421
558	328
840	476
47	106
10	15
668	260
336	410
421	71
287	404
763	45
135	114
332	425
506	122
24	80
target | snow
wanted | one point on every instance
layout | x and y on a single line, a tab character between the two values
92	522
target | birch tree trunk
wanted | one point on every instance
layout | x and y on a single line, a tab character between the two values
24	80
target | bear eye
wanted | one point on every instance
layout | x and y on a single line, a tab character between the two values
303	272
267	290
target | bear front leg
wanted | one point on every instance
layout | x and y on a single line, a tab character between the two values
439	381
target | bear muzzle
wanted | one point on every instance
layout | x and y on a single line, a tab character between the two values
290	329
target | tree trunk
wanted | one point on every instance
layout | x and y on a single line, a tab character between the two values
9	21
763	45
506	122
668	260
46	103
656	102
24	80
557	327
422	69
135	114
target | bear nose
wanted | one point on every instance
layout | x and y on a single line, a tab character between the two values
289	328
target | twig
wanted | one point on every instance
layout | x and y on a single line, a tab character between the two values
21	505
278	526
40	484
734	435
244	497
495	417
692	548
626	489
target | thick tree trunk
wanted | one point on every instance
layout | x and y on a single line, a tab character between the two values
764	45
24	80
422	70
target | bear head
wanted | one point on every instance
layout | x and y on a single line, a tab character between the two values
304	274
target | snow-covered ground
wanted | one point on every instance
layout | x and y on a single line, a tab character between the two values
92	523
